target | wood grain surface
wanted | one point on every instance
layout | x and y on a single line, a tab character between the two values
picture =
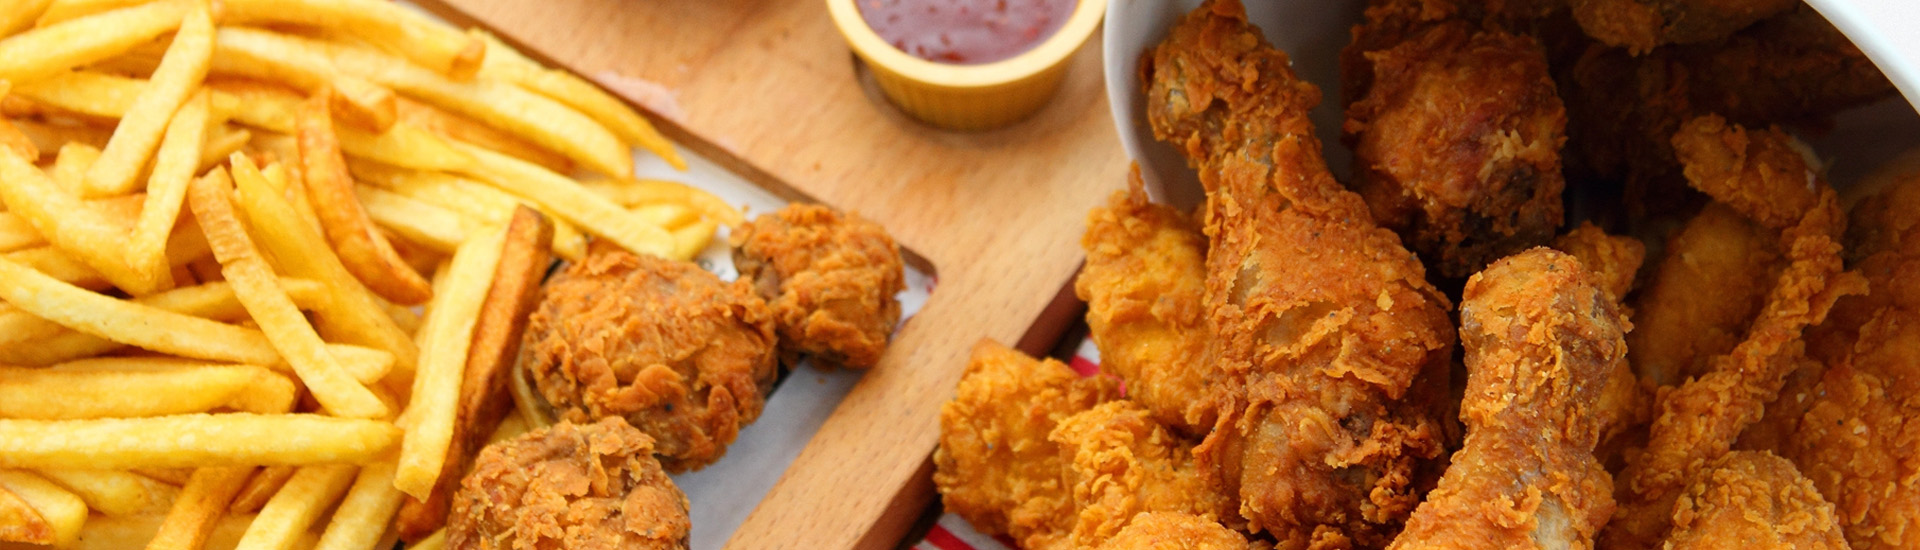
770	90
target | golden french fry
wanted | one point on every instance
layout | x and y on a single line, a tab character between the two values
385	25
264	105
402	144
211	301
19	522
140	129
115	492
543	121
53	49
437	541
71	225
131	323
60	395
483	395
505	63
85	92
67	10
689	241
71	164
261	487
19	15
199	507
194	440
222	142
365	253
469	198
49	136
446	341
646	191
671	215
416	221
510	427
364	104
173	168
311	491
365	512
569	201
176	477
17	233
259	290
351	313
133	531
62	510
458	128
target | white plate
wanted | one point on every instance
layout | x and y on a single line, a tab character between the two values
1312	32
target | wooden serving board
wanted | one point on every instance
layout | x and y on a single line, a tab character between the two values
770	90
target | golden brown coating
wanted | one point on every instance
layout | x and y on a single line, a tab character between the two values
1613	261
1702	295
1174	531
1883	244
1143	283
1542	340
681	355
995	466
1753	501
1457	145
1641	25
1698	422
831	280
1332	344
1121	462
579	487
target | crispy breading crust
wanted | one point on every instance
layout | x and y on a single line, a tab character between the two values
830	279
580	487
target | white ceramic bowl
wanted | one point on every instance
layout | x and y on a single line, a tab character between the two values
1312	32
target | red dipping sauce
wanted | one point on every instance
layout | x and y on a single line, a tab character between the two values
965	32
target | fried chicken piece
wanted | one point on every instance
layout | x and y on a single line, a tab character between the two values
1174	531
1753	500
1702	295
681	355
1457	145
1698	422
577	486
1121	462
1332	343
1612	261
831	280
1143	282
1641	25
1542	339
995	466
1883	243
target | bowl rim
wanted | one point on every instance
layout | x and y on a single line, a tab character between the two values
1050	52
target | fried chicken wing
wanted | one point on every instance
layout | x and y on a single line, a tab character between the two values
1143	283
995	466
1174	531
830	279
578	486
1698	422
1542	339
1752	501
681	355
1332	345
1641	25
1122	462
1457	144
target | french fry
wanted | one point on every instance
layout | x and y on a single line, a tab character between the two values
689	241
437	541
20	522
173	169
364	104
639	192
71	164
54	49
61	395
140	129
176	477
670	215
569	201
259	290
222	142
131	323
351	314
213	301
85	92
49	136
458	128
510	427
199	507
543	121
17	233
369	506
383	24
260	488
256	103
115	492
447	339
505	63
19	15
12	138
416	221
310	492
469	198
483	397
71	225
68	10
62	510
402	144
195	440
362	249
133	531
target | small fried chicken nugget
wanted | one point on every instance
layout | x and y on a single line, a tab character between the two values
831	279
586	487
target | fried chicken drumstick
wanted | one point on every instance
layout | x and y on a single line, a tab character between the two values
1542	340
1333	346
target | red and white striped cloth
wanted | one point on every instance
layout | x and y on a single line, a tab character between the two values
951	532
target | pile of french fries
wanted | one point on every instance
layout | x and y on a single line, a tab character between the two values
222	223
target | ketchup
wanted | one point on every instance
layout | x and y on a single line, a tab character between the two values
965	32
